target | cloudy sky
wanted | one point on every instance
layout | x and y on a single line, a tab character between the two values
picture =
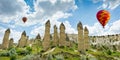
70	12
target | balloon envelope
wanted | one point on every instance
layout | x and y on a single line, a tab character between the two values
24	19
103	17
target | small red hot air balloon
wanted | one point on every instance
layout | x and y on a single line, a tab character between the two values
103	17
24	19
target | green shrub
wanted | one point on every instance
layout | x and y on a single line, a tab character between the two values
109	52
23	52
71	49
93	46
104	47
49	57
29	49
114	48
42	51
59	57
27	57
12	57
12	53
53	46
62	47
4	54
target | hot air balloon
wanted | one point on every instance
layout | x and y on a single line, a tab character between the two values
24	19
103	17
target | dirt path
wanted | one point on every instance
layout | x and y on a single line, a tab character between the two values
49	51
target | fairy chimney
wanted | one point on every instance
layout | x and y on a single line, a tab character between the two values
86	39
55	36
23	40
80	37
38	40
38	36
62	35
11	43
5	43
46	39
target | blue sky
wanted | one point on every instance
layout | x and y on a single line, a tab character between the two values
70	12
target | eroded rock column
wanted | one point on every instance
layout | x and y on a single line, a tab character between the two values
23	40
62	41
86	39
80	37
55	36
46	39
11	43
38	40
5	43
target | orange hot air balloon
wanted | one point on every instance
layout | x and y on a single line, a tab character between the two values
24	19
103	17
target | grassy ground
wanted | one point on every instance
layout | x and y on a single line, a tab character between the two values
8	58
4	58
71	53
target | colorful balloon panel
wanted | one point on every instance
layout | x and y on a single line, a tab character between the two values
24	19
103	17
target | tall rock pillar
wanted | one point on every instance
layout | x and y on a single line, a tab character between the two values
5	43
86	39
11	43
46	40
23	40
38	40
62	41
55	36
80	37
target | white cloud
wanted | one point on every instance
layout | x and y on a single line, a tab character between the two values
15	35
97	29
53	1
52	10
37	30
45	9
115	28
59	15
69	29
2	30
113	4
96	1
9	10
53	21
110	4
55	18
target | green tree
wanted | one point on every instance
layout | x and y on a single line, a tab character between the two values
13	54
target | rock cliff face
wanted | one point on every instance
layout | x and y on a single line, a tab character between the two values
107	40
